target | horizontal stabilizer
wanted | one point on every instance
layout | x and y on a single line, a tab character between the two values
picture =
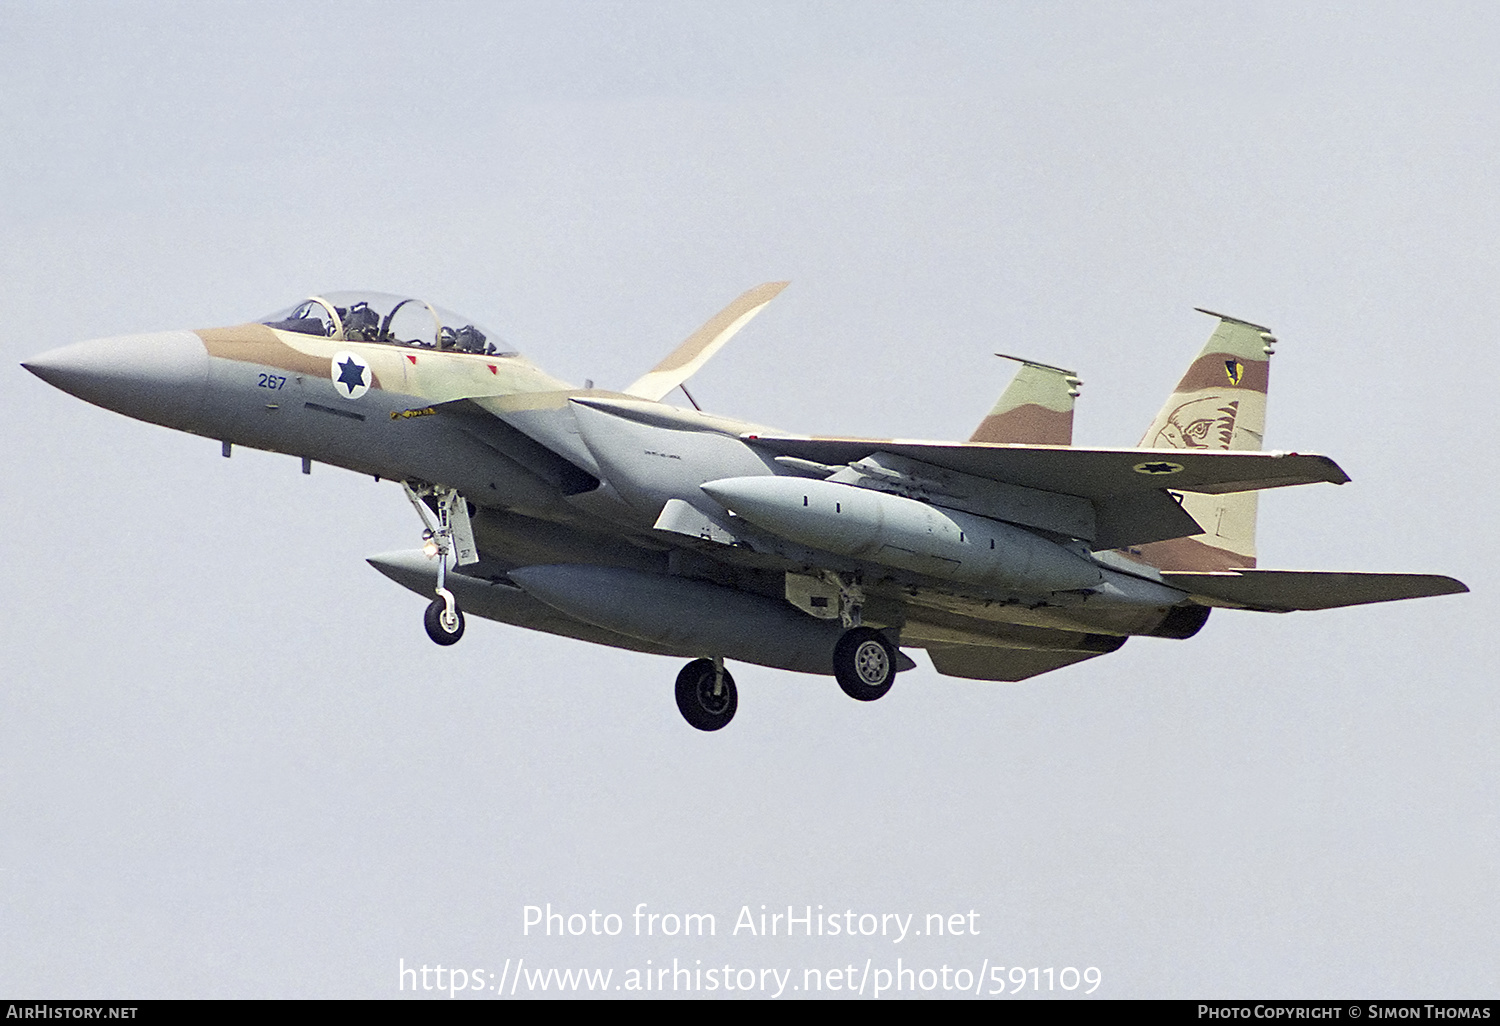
1095	474
1282	591
684	361
985	662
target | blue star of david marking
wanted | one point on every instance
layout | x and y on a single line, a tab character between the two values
351	375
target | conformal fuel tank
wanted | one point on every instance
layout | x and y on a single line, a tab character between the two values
692	617
900	532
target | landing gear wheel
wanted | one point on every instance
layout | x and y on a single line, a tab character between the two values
697	700
864	663
442	628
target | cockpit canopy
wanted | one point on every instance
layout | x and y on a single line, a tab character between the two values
393	320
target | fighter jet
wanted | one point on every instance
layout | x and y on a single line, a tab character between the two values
617	518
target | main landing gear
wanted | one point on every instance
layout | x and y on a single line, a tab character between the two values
864	663
864	660
452	533
706	695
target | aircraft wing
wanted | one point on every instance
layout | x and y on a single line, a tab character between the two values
1094	474
684	361
1283	591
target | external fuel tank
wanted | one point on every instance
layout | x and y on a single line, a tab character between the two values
895	531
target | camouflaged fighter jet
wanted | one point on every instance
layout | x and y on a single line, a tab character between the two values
615	518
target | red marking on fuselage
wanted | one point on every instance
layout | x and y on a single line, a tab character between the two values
493	368
412	358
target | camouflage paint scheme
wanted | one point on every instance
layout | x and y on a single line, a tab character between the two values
1036	408
593	512
1220	404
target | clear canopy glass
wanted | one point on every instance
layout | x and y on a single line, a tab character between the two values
393	320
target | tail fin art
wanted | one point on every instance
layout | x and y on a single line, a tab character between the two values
1220	403
1035	409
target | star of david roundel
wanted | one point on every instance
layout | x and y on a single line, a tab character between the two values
352	377
1156	467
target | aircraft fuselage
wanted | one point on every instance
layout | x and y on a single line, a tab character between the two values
280	391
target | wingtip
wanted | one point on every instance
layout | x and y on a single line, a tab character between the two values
1333	473
1336	474
1456	587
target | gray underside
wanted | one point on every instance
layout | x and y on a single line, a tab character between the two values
983	662
503	602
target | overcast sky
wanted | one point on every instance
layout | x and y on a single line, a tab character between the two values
231	762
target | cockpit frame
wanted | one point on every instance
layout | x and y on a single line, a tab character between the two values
358	317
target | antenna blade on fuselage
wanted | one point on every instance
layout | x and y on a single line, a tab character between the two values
684	361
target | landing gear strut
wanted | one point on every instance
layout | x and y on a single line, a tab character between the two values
444	620
864	663
706	695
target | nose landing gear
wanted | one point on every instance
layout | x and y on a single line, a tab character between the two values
444	620
452	533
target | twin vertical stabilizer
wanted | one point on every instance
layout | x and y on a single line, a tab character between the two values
1035	409
1220	404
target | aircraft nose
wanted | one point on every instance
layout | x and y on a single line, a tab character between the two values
158	377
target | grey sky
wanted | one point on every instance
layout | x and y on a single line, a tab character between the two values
231	763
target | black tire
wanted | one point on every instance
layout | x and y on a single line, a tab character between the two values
696	699
864	663
433	621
